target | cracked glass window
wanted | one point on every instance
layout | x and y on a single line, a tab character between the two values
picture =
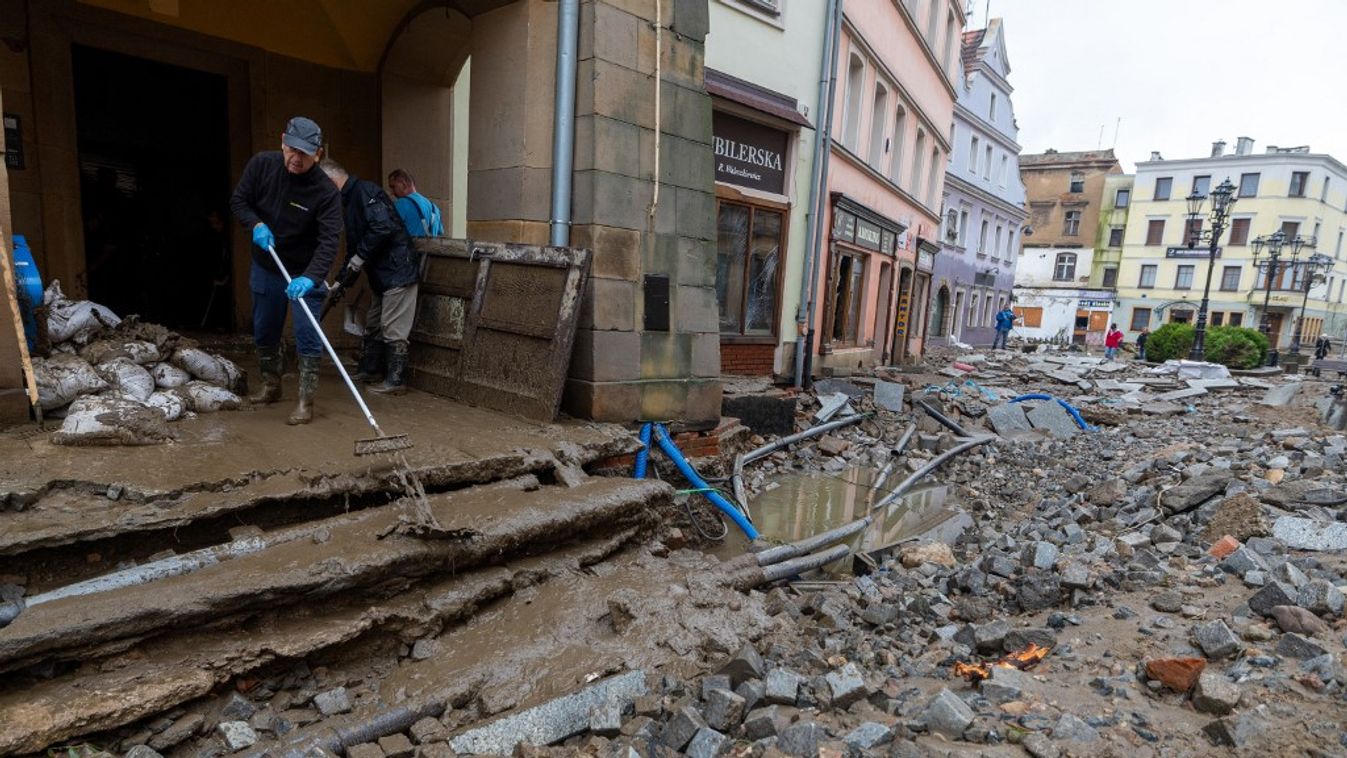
748	247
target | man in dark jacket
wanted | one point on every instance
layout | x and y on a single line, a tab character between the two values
287	202
377	243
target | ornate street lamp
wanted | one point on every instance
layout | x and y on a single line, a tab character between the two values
1309	277
1222	202
1274	244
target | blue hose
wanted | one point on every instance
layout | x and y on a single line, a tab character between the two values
1075	414
643	456
689	473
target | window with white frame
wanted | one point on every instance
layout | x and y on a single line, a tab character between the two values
899	138
879	112
982	237
991	109
1001	172
936	170
918	155
1077	181
963	228
1065	270
1183	278
1072	226
996	248
987	163
851	125
973	154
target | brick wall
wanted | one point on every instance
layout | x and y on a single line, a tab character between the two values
747	360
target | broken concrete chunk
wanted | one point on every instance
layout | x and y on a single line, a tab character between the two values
1008	419
333	702
236	735
1051	418
1308	534
889	396
1273	594
1215	693
1280	396
1294	646
948	715
1216	639
1322	597
846	686
783	686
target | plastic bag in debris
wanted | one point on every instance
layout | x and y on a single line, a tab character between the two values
203	397
111	420
209	368
127	378
74	320
170	404
62	378
167	376
104	350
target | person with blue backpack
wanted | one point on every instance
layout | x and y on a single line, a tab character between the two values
419	215
1005	321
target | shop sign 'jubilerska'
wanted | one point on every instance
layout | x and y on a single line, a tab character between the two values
749	154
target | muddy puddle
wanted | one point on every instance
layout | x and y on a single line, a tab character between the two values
799	505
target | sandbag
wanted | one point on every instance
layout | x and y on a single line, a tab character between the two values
62	378
111	420
215	369
127	378
76	321
170	404
103	350
167	376
203	397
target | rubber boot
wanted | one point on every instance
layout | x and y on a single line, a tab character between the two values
308	387
395	379
371	367
269	365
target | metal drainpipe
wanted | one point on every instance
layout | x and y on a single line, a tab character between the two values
804	344
563	121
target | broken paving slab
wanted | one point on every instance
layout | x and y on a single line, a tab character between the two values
552	721
1008	419
831	405
1050	417
832	386
1279	397
1307	534
1183	394
1213	385
889	395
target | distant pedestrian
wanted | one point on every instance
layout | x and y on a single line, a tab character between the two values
1321	347
1141	344
1112	341
1005	321
419	215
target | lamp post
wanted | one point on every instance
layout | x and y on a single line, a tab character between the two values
1222	202
1274	244
1310	268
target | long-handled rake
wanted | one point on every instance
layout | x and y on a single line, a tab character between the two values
384	443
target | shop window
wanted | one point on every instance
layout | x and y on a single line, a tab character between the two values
1030	317
848	282
749	243
1141	319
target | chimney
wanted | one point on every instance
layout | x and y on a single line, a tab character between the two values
1155	155
1271	149
1218	148
1244	146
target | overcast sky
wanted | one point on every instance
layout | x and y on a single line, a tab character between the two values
1180	73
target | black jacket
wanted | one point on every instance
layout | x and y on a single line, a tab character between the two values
374	231
303	212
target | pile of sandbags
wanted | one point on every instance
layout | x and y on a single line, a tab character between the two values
119	381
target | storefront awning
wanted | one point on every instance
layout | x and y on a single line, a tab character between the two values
749	95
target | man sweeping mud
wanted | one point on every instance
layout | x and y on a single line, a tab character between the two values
287	201
377	244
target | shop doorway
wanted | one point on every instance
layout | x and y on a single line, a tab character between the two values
153	152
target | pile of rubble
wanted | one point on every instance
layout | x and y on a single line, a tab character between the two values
119	381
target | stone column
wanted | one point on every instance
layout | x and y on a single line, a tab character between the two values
637	357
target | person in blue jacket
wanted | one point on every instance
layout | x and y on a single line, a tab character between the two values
1005	321
419	215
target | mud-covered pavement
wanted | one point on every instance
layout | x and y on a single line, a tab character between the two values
352	631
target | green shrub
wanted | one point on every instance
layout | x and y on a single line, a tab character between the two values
1236	346
1173	340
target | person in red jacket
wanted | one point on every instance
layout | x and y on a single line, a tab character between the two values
1112	341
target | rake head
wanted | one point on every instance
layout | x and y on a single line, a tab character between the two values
380	445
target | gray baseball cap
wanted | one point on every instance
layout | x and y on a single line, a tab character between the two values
303	135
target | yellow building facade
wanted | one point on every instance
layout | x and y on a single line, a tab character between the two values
1160	279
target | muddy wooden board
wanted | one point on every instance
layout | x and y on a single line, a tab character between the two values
496	322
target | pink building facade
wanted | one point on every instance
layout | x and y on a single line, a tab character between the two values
894	106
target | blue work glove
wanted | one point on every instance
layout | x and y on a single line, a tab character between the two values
262	236
299	287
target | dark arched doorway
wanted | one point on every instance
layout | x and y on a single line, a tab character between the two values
940	314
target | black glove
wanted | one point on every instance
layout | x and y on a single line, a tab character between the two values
348	276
